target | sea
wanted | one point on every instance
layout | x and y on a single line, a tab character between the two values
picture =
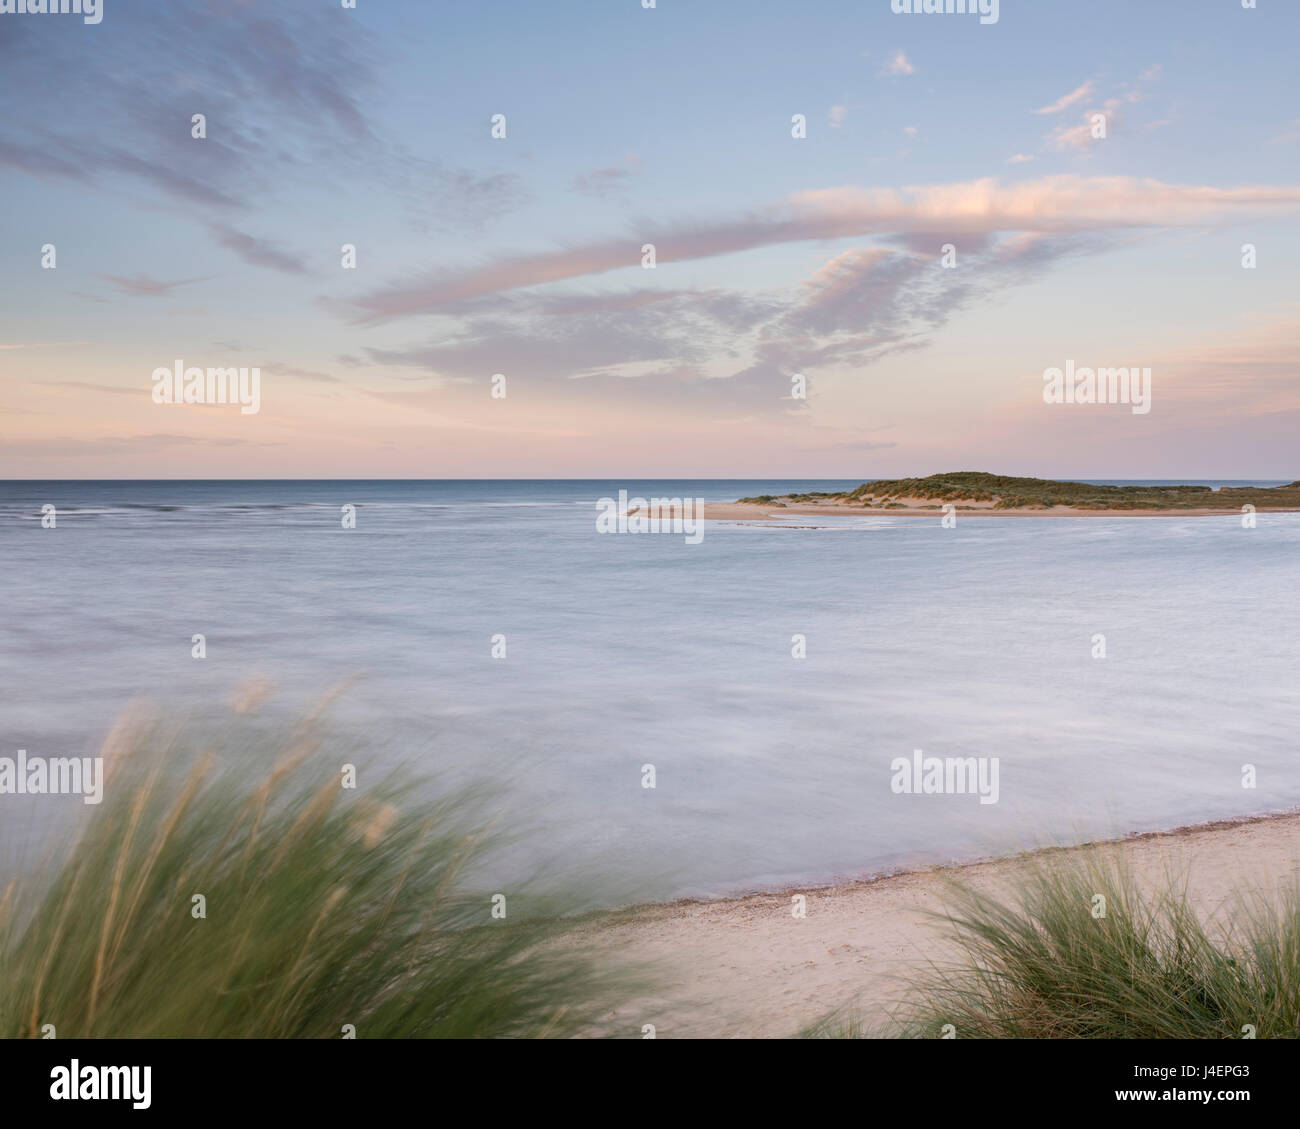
1127	674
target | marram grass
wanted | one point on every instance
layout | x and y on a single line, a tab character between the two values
323	908
1046	964
1006	492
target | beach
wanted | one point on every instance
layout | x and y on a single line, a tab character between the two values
746	967
918	507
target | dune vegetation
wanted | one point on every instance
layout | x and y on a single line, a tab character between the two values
1005	492
1078	951
207	898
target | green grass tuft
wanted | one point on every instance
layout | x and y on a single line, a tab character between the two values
324	907
1007	492
1041	966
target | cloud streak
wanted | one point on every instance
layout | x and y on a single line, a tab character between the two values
1078	94
258	252
144	286
1057	204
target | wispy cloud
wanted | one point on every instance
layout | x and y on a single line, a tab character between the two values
1096	126
1078	94
1084	135
277	368
144	286
258	252
314	74
1050	204
610	181
720	355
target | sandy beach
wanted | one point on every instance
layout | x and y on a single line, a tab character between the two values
916	507
746	967
781	513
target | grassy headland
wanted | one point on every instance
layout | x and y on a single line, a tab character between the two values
978	490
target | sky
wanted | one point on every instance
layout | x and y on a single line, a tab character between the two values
801	317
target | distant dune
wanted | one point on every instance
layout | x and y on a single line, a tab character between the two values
976	493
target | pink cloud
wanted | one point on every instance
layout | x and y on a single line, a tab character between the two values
1078	94
1066	203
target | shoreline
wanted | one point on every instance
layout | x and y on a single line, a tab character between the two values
757	511
743	966
956	866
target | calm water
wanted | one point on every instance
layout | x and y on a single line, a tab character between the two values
632	650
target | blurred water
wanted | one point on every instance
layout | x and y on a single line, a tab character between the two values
632	650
